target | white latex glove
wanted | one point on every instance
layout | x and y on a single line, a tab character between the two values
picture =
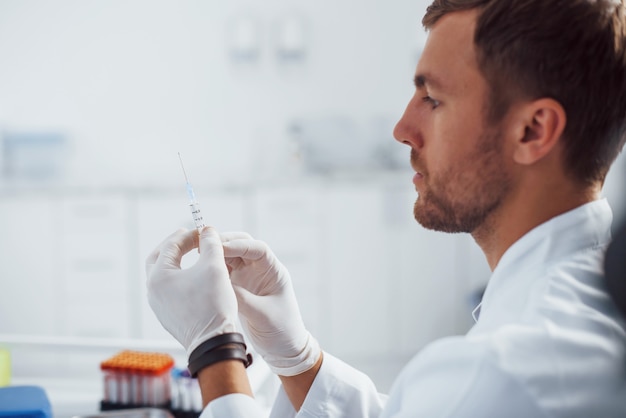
197	303
267	305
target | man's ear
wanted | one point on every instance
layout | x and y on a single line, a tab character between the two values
543	124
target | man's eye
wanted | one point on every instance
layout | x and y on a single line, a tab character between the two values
434	103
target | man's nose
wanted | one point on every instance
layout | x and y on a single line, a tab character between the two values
399	132
407	129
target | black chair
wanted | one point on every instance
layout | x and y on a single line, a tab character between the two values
615	269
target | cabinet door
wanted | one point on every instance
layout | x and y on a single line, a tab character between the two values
95	266
358	291
289	220
29	253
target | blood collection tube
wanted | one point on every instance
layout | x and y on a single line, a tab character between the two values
111	387
137	378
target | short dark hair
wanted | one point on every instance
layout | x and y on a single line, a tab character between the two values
573	51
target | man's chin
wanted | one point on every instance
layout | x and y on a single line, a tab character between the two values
428	219
434	220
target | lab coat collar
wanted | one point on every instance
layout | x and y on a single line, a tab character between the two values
587	226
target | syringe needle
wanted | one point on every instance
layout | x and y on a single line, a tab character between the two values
183	167
193	204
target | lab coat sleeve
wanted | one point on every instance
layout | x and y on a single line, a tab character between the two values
453	378
233	405
338	391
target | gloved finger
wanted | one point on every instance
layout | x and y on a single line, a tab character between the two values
175	247
229	236
259	283
233	263
152	258
246	248
246	301
210	245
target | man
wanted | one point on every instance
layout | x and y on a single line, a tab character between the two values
518	113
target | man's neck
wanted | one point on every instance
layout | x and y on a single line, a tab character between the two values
522	212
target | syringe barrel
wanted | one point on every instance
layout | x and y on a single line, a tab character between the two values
197	215
190	193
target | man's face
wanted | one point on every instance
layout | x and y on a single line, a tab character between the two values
461	176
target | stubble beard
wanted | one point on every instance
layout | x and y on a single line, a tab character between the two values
462	198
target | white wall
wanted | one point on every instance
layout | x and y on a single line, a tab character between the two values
134	82
131	83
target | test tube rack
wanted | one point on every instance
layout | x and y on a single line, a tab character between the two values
135	379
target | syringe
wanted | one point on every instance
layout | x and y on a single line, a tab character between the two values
193	203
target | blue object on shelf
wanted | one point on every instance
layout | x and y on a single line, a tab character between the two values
24	402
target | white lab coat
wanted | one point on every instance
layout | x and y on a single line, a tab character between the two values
549	342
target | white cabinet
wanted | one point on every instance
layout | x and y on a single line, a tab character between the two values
373	286
29	275
64	264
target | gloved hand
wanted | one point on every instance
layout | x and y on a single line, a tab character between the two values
197	303
267	305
